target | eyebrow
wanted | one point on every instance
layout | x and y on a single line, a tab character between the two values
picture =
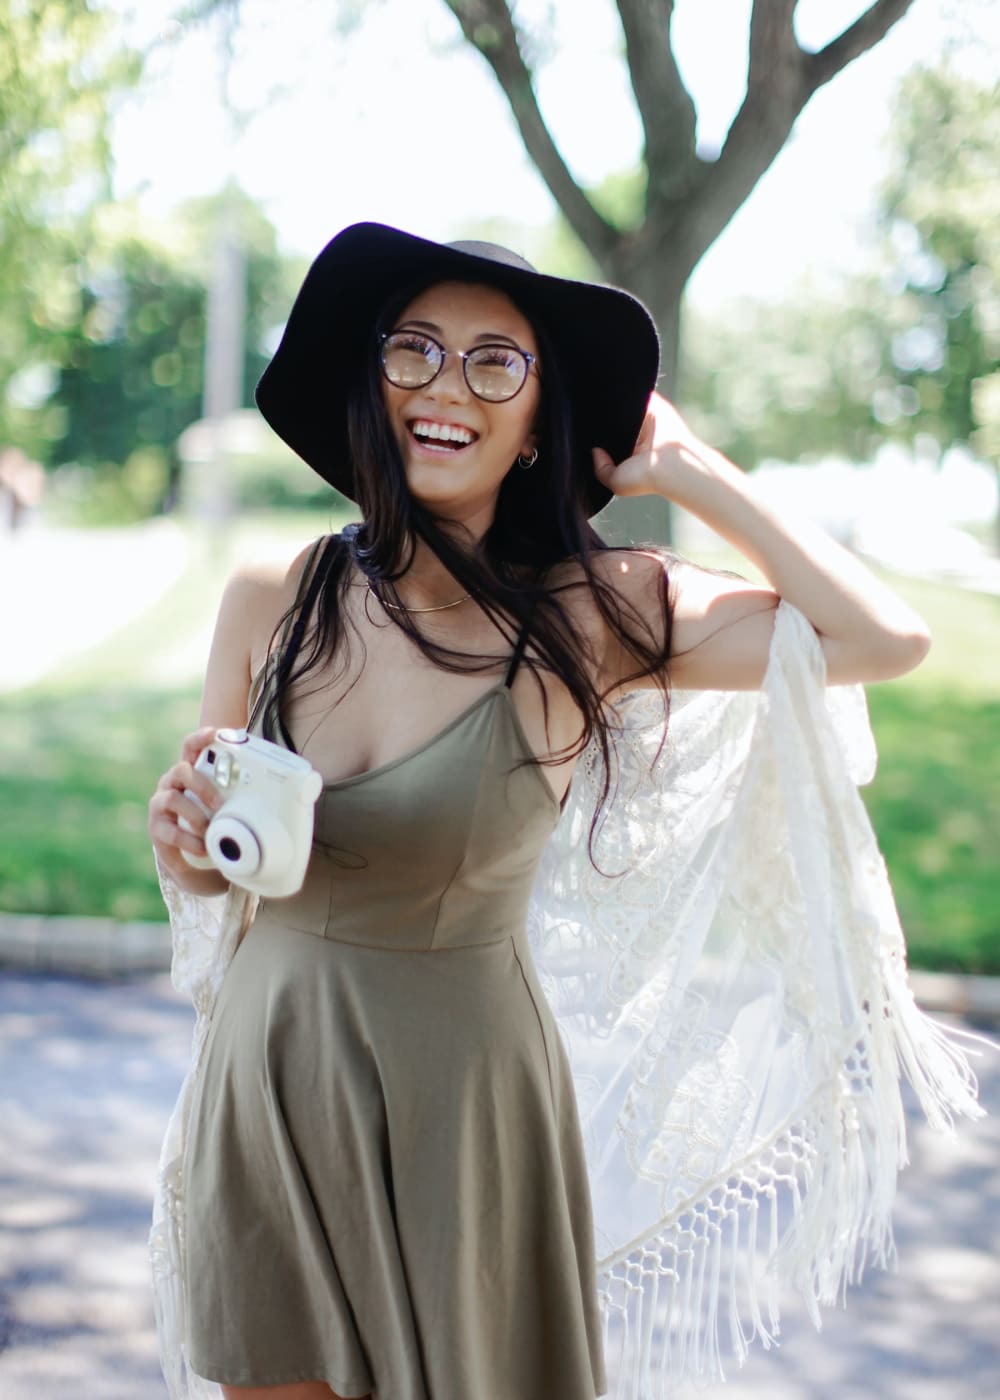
483	336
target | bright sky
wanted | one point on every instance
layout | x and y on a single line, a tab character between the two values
401	122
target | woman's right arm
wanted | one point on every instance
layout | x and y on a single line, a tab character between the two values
252	604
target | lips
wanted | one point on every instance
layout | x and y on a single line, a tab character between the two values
441	437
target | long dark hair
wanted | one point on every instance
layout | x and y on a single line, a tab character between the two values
540	521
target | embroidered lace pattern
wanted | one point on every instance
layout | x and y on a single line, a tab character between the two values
730	985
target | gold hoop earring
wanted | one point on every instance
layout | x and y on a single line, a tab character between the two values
525	463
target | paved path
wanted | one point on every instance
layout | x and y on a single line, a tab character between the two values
90	1072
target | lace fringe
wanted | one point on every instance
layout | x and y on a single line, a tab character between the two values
811	1209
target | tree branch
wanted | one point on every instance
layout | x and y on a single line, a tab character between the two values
772	37
489	27
866	31
780	81
665	106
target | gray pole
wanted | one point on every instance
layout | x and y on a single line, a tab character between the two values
225	314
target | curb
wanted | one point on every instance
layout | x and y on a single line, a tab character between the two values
975	998
106	948
79	947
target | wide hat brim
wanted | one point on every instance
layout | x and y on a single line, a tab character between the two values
604	337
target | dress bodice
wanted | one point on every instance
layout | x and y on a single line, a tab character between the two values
436	849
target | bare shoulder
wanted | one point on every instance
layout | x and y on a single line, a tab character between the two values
719	623
626	571
259	594
631	582
256	597
635	577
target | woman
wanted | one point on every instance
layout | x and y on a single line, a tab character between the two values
380	1153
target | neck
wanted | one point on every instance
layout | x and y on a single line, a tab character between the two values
427	575
427	582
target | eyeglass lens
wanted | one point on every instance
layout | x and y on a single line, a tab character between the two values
492	372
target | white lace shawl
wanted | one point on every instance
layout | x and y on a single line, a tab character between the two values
732	994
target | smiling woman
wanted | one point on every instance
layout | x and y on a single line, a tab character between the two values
570	998
474	410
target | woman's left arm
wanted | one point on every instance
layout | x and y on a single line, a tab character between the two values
722	628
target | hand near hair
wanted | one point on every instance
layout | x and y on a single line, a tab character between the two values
665	445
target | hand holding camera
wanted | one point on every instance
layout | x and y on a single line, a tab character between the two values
247	803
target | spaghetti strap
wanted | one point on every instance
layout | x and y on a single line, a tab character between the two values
301	591
310	582
517	654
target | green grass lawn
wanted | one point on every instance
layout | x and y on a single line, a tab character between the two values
77	768
935	801
935	804
81	754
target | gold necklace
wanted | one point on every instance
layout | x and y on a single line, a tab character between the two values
399	607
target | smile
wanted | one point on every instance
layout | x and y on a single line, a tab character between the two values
440	437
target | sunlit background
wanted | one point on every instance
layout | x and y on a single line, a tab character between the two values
167	171
171	171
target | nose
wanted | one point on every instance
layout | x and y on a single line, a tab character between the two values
449	385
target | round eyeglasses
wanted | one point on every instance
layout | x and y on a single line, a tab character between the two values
494	372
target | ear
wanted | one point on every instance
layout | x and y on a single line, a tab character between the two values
530	442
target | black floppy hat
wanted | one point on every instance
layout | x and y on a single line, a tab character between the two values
604	337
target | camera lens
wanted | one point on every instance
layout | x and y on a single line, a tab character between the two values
232	846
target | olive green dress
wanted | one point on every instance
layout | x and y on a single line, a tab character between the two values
385	1180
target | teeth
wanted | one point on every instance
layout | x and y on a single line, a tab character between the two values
442	432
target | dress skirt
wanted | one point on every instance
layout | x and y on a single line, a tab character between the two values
385	1180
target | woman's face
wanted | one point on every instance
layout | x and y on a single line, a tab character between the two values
460	479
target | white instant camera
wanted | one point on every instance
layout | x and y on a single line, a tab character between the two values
261	837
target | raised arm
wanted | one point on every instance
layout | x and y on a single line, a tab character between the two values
722	627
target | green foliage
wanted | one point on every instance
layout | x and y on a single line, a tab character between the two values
73	823
131	371
793	381
905	352
939	208
107	494
61	64
935	802
102	327
132	360
937	816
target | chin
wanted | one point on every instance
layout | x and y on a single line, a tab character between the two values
435	493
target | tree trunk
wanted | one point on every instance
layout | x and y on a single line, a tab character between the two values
649	519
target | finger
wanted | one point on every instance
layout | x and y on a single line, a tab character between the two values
175	838
165	833
645	439
171	806
604	463
193	744
181	805
183	777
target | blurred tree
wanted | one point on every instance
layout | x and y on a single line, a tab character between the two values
652	242
791	381
680	202
61	64
940	210
648	230
132	361
131	370
906	352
